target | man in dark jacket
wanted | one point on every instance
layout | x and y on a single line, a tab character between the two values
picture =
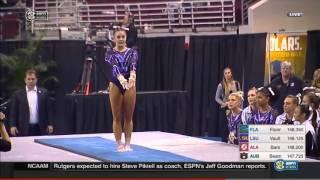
30	109
287	84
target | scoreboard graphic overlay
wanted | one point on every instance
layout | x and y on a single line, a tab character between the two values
271	142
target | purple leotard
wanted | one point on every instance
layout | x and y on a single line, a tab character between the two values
234	122
121	63
268	117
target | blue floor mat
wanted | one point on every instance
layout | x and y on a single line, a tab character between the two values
211	138
105	150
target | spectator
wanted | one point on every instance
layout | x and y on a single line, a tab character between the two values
227	86
132	33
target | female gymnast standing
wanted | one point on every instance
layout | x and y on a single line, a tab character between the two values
122	88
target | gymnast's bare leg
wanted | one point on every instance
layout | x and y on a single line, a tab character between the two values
116	101
128	107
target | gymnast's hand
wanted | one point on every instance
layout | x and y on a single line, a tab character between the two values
123	82
131	83
132	79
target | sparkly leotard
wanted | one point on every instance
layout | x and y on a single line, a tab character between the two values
268	117
121	63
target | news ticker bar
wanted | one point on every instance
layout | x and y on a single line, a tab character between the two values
134	166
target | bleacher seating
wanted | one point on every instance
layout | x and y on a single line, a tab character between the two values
150	15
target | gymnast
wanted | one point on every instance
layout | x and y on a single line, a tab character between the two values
122	88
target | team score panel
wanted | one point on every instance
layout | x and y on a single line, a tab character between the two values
295	156
298	147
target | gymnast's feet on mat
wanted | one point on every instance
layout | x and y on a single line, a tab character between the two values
127	147
120	148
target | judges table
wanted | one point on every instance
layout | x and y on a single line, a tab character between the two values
154	111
